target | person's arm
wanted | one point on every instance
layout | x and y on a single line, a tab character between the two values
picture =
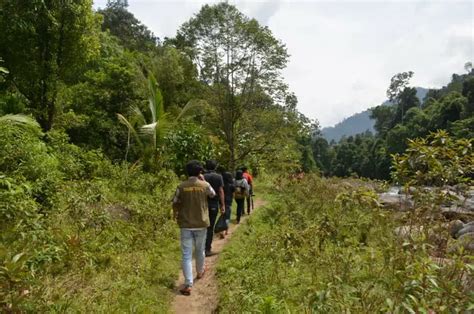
221	197
176	204
210	191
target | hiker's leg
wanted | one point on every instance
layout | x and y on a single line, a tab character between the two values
240	208
228	211
200	242
187	255
248	200
210	229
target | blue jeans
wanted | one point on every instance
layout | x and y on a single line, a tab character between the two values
188	238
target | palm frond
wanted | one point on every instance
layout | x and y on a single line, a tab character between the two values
163	128
22	120
148	129
193	107
138	115
160	108
152	88
129	126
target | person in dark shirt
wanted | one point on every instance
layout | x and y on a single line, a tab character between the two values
217	183
228	196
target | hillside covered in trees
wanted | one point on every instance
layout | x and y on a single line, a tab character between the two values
98	117
368	155
359	123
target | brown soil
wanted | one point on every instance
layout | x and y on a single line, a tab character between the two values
204	295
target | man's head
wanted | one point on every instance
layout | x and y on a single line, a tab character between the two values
193	168
244	169
211	165
238	175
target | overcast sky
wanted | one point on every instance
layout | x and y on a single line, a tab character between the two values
343	53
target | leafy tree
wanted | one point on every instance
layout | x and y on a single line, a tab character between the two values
177	78
45	44
187	142
322	154
417	122
403	97
110	85
468	92
397	137
468	67
406	100
239	60
398	83
124	25
383	116
448	109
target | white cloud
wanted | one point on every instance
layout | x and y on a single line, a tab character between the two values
343	53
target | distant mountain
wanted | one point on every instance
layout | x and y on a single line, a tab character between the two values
359	122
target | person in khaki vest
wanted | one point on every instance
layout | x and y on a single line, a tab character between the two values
190	210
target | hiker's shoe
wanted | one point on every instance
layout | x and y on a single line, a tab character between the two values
201	274
210	253
186	290
221	235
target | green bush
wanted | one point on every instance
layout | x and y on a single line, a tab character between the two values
24	155
185	143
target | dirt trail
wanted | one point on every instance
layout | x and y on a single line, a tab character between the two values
204	295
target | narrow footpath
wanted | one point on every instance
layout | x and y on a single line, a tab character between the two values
204	295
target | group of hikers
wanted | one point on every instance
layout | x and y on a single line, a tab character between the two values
196	205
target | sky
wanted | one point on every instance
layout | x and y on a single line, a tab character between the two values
343	53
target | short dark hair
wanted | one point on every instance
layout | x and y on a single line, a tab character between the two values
193	168
244	168
227	176
211	164
239	175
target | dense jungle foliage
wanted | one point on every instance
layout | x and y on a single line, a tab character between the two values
97	119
